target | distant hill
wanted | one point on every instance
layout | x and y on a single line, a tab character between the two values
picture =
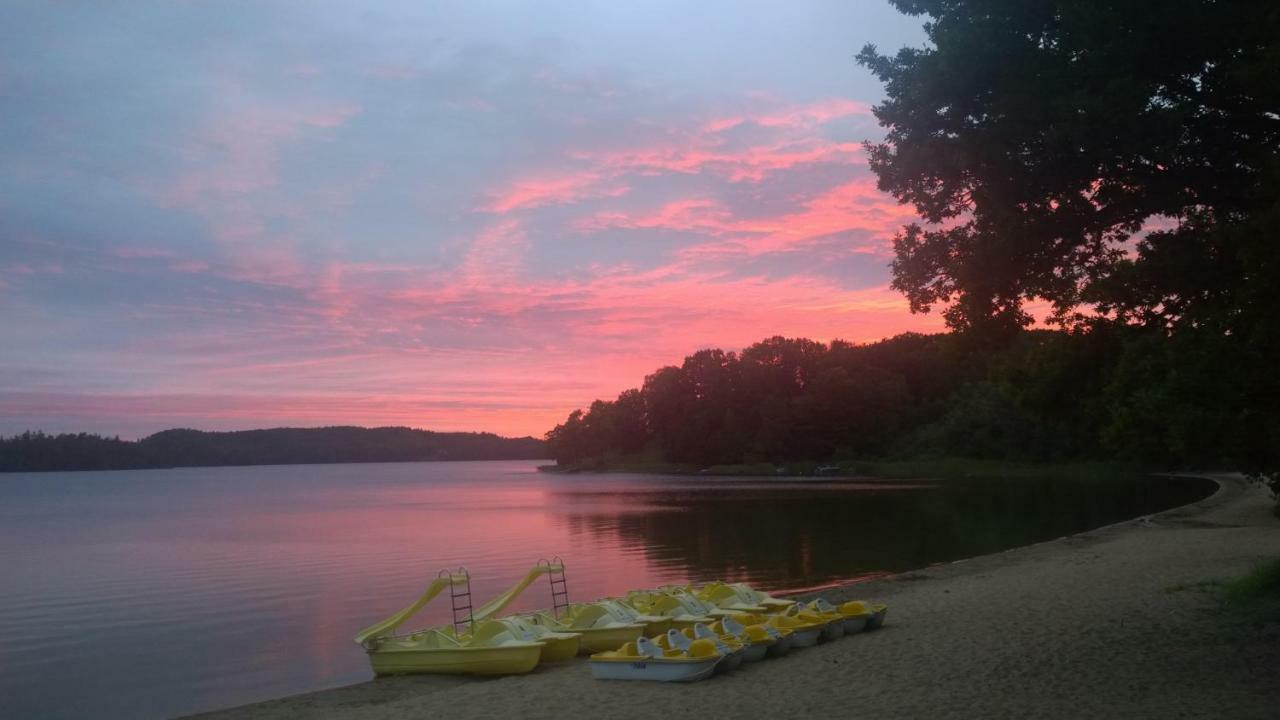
37	451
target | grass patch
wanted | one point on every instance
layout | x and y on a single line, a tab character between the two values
1263	581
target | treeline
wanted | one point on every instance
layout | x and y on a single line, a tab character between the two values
38	451
1100	392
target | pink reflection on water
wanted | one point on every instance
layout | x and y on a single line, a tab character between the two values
391	542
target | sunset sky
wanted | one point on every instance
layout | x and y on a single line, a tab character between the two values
454	216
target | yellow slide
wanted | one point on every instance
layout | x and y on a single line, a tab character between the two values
500	603
489	649
390	624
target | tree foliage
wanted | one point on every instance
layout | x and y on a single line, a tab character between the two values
37	451
1119	161
1037	137
1099	392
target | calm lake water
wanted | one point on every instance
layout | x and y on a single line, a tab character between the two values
148	594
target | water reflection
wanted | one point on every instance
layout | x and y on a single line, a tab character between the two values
785	535
168	592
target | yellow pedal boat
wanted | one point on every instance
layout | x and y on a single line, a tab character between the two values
625	612
677	608
756	640
832	623
783	636
643	659
743	595
877	610
434	651
804	633
856	614
487	650
732	598
734	651
557	646
598	626
681	640
598	632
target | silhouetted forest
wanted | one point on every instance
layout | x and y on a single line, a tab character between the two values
37	451
1115	162
1106	392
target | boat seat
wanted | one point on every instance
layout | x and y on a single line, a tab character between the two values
702	648
821	605
491	632
855	607
701	631
733	627
588	617
645	646
678	641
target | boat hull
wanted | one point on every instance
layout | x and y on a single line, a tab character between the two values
877	618
855	624
654	670
756	651
556	649
457	661
833	630
781	646
594	640
805	638
659	626
730	662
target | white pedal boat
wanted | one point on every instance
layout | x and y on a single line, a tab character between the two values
803	633
856	615
734	652
756	639
645	660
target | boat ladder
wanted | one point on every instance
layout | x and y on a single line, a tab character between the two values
460	599
559	586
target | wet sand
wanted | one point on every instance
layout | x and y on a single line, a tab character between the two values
1115	622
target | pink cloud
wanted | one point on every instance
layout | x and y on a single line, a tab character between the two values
237	151
704	151
387	343
846	208
476	337
227	163
535	192
751	164
495	256
803	116
130	252
818	113
694	214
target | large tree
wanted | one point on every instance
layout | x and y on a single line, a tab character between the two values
1119	160
1036	137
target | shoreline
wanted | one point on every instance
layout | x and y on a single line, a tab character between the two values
4	473
1118	620
932	468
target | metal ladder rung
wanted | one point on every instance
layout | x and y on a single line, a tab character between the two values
559	585
460	601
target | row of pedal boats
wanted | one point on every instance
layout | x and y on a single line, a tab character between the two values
673	633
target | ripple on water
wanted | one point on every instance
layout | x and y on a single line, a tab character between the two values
171	592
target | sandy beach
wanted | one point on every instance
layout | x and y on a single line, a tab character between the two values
1121	621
